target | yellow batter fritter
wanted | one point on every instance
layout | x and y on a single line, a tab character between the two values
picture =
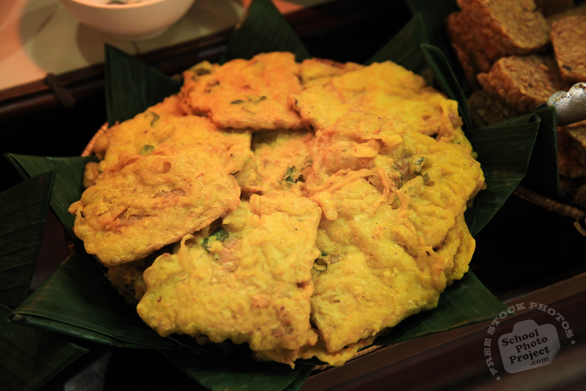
145	202
245	94
382	89
250	283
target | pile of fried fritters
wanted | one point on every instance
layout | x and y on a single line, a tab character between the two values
301	208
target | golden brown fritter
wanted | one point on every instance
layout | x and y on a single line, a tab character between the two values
250	283
382	89
169	107
145	202
245	94
148	131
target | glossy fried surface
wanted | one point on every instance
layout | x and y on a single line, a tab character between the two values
392	228
253	285
383	89
245	94
145	202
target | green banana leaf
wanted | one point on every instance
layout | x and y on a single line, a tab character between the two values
77	300
263	29
63	305
447	81
433	14
240	372
465	302
132	85
28	357
23	210
504	168
401	49
68	180
543	175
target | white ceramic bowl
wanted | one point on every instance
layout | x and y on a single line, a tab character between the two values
141	19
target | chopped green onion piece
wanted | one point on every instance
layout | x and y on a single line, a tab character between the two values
219	234
146	150
155	117
419	165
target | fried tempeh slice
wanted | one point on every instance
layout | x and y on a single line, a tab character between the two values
249	281
568	36
148	201
524	82
485	31
511	27
574	139
245	94
469	50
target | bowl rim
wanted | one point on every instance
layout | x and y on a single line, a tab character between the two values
92	3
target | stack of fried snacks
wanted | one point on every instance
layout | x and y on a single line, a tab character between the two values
515	56
301	208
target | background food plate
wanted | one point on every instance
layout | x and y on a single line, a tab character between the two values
542	182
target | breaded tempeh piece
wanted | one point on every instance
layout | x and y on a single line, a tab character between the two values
524	82
471	55
568	36
513	27
575	139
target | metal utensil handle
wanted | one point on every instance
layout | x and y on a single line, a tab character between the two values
571	105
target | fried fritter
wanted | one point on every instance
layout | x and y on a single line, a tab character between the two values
145	202
248	282
382	89
169	107
245	94
148	131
